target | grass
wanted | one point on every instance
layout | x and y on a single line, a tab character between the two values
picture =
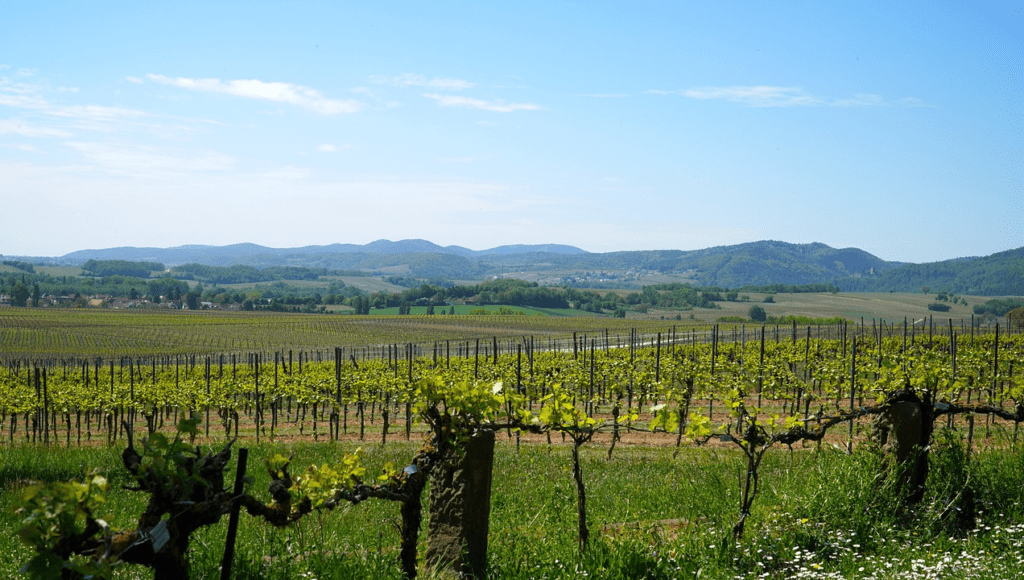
889	306
819	515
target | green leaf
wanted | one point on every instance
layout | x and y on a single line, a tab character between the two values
44	566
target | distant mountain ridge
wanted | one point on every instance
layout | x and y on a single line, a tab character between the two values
242	253
760	263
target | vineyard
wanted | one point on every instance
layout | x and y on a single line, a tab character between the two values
38	334
923	407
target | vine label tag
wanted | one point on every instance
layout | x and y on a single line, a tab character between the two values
159	535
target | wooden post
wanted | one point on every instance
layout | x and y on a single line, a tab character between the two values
853	386
229	545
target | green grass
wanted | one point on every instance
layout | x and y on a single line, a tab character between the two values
819	515
889	306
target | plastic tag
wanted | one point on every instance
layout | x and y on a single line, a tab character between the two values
159	536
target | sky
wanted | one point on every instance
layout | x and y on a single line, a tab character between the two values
894	127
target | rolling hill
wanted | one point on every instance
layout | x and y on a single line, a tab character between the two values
755	263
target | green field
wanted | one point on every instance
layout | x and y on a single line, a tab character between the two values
652	516
889	306
57	333
820	513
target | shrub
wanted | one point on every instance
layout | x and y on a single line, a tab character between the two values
757	314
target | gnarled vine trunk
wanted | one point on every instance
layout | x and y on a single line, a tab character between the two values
903	432
460	508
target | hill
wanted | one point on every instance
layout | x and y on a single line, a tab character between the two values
759	263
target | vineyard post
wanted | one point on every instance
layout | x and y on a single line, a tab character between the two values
992	392
904	349
853	387
807	353
256	417
743	341
46	407
842	333
519	368
714	347
39	395
336	427
113	411
229	544
207	396
131	396
760	369
952	358
408	402
657	366
591	400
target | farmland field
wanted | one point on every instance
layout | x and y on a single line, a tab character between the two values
62	333
694	415
55	333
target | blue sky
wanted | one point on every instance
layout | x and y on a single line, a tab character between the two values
892	127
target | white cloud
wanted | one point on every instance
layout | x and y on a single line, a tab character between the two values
497	105
771	96
414	80
271	91
755	96
31	97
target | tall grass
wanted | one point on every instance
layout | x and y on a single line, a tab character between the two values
820	515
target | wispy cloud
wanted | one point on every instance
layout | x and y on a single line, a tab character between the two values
415	80
24	129
278	92
34	97
331	148
772	96
498	105
754	96
604	95
467	159
145	162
